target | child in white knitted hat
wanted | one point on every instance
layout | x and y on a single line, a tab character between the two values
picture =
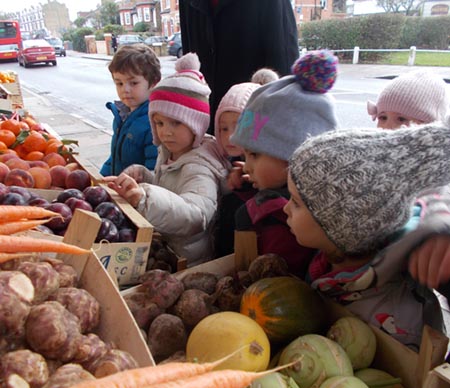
278	117
180	198
352	195
416	97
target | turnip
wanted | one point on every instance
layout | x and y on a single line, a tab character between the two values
44	278
193	306
343	382
166	336
67	376
114	361
318	359
53	331
91	349
274	380
203	281
372	376
31	366
356	338
161	287
81	304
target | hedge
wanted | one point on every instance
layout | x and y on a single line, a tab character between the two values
380	31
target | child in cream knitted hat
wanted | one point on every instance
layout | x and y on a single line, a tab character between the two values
180	198
416	97
352	195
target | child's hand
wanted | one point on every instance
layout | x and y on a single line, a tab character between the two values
139	173
429	263
236	176
127	188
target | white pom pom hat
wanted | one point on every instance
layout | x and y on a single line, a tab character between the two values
183	96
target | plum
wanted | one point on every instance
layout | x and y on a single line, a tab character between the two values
76	203
41	202
127	235
23	191
69	193
59	223
95	195
108	231
112	212
13	199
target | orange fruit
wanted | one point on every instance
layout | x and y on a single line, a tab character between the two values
34	155
7	137
12	125
3	147
35	142
53	146
21	151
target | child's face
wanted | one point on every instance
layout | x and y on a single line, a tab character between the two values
305	228
265	172
132	89
174	135
394	120
227	126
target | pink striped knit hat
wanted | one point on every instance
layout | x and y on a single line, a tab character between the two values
183	96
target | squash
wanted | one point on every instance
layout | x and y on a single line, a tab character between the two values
222	334
285	307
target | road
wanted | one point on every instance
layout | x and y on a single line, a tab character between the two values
82	86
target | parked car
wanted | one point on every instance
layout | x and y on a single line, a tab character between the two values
58	45
174	46
36	51
155	40
129	39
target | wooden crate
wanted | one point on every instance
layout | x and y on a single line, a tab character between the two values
125	262
15	99
117	325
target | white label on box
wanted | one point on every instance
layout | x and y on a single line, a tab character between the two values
125	261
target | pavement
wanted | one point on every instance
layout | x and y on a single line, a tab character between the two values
94	141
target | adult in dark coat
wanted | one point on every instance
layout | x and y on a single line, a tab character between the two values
234	38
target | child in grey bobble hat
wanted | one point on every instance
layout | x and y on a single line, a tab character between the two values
352	198
278	117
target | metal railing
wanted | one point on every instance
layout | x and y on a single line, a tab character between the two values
356	50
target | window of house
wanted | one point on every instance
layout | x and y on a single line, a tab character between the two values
146	14
127	19
139	14
166	4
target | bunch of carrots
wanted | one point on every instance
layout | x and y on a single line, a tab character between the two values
14	219
180	375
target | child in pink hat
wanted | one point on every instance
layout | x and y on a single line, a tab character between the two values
417	97
180	198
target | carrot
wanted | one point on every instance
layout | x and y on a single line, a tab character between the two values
4	257
16	244
19	226
15	213
152	375
226	378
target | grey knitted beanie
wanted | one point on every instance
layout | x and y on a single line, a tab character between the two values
421	95
359	185
280	115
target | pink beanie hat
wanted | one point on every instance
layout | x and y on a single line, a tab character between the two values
421	95
233	101
182	96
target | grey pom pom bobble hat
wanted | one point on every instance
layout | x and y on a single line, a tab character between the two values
359	185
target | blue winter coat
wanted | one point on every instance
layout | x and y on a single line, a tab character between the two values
132	141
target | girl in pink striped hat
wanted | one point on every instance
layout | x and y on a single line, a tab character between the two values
180	197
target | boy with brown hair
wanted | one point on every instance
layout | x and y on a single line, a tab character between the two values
135	69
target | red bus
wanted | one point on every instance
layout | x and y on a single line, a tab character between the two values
10	39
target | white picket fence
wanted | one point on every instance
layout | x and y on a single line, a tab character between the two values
411	58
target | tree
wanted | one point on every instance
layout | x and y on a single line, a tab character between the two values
109	13
141	27
80	22
409	7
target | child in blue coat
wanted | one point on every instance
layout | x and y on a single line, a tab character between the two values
135	69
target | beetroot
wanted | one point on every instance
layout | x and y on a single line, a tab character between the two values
161	287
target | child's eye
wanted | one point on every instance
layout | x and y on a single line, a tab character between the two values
224	129
382	118
402	119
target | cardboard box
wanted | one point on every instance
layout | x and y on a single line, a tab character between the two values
425	369
14	100
125	262
117	325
